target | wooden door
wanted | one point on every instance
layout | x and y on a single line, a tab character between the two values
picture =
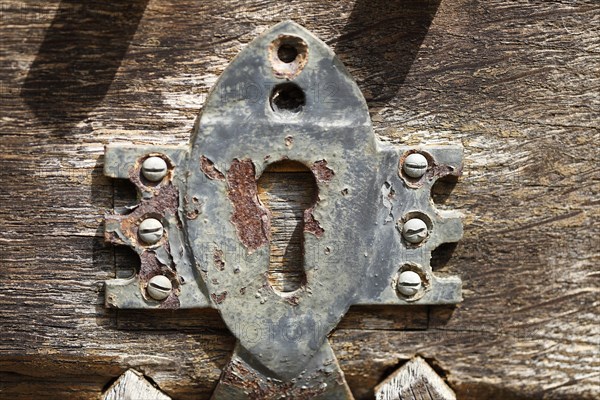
515	82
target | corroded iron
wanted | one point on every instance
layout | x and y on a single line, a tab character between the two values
285	97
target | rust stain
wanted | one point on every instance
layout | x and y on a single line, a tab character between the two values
111	236
150	266
322	172
285	69
292	300
165	200
251	220
238	374
311	225
209	169
444	170
289	141
434	171
392	194
219	298
136	177
218	259
170	303
192	210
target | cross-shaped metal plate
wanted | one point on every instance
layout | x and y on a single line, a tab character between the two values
285	97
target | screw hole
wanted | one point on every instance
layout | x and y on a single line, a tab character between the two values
288	56
287	97
287	53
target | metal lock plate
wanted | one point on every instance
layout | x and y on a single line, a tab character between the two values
367	238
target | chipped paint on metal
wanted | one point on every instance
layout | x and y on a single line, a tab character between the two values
387	197
434	171
209	169
171	255
322	172
322	380
311	225
218	298
218	259
250	218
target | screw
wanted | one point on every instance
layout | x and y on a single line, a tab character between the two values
154	169
150	230
414	230
415	165
159	287
409	283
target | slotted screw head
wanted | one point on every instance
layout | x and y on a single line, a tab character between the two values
415	165
150	230
154	169
409	283
414	230
159	287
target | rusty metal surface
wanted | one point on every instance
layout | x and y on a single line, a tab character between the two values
245	379
171	255
216	246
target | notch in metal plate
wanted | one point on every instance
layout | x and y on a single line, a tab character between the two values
203	235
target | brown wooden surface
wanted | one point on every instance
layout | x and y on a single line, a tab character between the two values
133	385
415	380
287	189
516	82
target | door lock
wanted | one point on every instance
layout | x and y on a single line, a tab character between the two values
284	139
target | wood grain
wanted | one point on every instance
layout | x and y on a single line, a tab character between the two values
415	380
287	194
516	82
133	386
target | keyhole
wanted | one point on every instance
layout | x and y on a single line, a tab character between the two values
287	189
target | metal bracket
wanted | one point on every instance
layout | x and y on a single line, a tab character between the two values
203	236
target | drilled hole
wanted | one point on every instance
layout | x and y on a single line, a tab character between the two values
288	56
287	53
287	189
287	97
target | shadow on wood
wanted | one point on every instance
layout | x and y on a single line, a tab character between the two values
384	38
78	59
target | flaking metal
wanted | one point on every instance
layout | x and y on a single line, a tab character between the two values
215	248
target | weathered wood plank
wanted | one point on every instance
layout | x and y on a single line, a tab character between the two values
415	380
515	82
133	386
286	195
